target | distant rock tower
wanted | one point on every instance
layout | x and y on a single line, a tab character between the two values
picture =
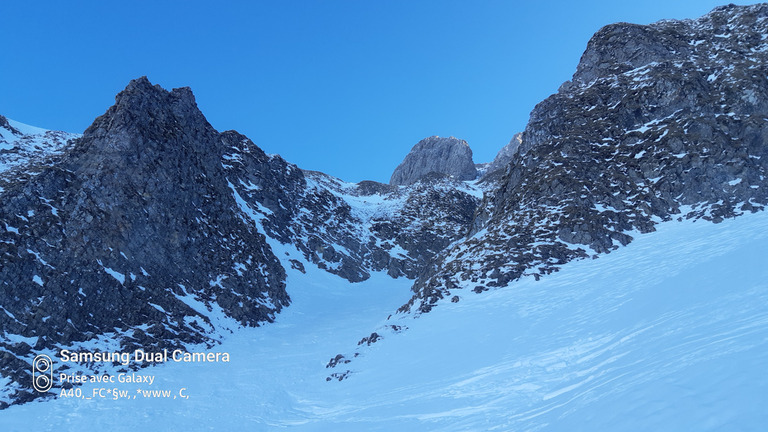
451	156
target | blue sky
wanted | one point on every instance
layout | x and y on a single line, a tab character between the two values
343	87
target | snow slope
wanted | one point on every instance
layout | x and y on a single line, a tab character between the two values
26	129
668	333
25	144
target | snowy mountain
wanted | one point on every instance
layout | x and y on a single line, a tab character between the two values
669	333
154	231
22	145
153	212
659	122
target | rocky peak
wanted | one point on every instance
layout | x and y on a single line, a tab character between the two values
153	114
660	121
622	47
450	156
139	212
141	89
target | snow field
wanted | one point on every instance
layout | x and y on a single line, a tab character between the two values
668	333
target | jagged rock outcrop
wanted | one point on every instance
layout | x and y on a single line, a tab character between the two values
661	121
135	231
505	155
4	124
354	229
450	156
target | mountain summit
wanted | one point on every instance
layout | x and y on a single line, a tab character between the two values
450	156
132	231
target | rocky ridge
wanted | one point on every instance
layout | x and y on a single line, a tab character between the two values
352	229
505	155
659	122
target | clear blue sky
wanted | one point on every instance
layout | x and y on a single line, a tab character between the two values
344	87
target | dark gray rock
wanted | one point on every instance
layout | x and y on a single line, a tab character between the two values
659	122
7	126
136	222
450	156
355	229
505	155
368	188
152	220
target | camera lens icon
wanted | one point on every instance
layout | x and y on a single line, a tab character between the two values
42	363
42	381
42	373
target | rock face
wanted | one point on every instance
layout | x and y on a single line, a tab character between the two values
4	124
663	121
505	155
352	229
450	156
136	231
